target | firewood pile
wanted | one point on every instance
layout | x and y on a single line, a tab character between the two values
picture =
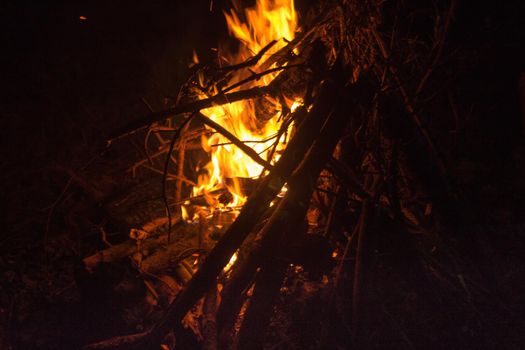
350	170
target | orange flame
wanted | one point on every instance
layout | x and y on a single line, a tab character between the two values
269	20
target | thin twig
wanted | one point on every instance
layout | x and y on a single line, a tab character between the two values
440	45
180	163
251	61
246	141
246	149
61	197
53	208
408	102
217	100
170	176
361	268
166	166
284	128
257	76
146	141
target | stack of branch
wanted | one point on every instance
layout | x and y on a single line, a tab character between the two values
360	127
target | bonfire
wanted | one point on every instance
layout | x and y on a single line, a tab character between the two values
282	159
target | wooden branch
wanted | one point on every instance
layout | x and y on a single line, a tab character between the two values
233	295
440	45
209	322
260	310
143	162
347	176
257	76
121	342
174	138
300	42
251	61
246	149
151	226
170	176
344	261
180	163
409	106
361	267
216	100
120	251
168	257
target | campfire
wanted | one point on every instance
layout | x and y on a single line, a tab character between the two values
282	159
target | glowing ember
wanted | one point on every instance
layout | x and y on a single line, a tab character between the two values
232	261
269	20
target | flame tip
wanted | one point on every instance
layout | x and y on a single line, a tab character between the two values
254	28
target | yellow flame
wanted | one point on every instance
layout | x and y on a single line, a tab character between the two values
184	213
269	20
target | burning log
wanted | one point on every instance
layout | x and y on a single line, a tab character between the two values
166	258
128	248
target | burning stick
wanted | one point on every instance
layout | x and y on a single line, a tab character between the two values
180	162
251	61
216	100
175	136
249	151
257	76
120	251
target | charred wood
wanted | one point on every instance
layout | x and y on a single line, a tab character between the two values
260	307
209	322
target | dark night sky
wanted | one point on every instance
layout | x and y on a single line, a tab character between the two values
61	69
